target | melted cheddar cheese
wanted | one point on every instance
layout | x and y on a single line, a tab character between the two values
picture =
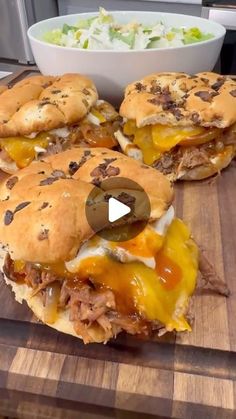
155	294
98	115
22	150
158	294
154	140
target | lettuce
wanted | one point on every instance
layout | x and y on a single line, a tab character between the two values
66	28
104	29
127	39
85	23
153	42
53	37
193	35
85	44
104	17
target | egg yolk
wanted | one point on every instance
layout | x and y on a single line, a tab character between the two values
156	139
146	244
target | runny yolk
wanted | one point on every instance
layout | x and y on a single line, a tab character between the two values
168	271
145	244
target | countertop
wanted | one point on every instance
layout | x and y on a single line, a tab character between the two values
178	1
14	67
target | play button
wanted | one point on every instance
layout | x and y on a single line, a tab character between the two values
116	210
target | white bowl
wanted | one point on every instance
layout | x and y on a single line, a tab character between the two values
113	70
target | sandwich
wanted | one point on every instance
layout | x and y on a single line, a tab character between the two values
183	125
73	278
44	115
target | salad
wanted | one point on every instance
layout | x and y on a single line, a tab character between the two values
103	32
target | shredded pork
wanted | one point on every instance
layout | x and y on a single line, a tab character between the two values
180	159
209	278
88	306
93	310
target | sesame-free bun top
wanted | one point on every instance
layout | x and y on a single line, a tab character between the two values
206	99
42	207
42	103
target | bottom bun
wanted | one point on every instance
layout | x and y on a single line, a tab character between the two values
62	324
204	171
23	293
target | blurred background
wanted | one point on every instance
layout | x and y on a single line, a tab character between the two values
17	15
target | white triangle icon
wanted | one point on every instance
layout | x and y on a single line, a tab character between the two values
116	210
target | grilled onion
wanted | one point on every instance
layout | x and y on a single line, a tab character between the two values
98	136
51	301
203	138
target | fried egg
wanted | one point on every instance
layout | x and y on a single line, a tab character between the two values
151	275
126	251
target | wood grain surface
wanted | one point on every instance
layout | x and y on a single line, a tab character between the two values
45	374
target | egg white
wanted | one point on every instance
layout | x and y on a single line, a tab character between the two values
103	247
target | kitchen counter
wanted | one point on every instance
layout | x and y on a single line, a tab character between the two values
14	67
178	1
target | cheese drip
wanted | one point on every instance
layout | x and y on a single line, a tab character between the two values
157	293
24	149
154	140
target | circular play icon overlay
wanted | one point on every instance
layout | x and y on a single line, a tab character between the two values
118	210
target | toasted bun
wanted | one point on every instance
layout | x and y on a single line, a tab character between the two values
42	103
205	99
205	171
42	207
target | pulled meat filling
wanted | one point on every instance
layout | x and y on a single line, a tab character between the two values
180	159
84	135
88	304
175	150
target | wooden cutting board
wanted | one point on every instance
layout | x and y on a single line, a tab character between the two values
191	376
